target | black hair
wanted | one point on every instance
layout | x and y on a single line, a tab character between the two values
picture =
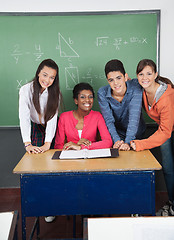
80	87
148	62
53	91
114	66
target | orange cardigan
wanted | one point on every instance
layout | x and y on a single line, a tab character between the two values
162	112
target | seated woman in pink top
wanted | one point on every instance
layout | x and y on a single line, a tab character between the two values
80	126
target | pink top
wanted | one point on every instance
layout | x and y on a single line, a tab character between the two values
92	122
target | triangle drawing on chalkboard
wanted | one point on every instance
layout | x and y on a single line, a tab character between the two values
72	77
65	49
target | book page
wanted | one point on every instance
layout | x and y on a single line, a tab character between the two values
97	153
72	154
85	153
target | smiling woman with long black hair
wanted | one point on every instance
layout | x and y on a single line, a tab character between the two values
38	108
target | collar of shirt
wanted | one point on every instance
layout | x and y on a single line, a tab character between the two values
44	92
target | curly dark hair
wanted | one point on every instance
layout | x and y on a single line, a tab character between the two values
80	87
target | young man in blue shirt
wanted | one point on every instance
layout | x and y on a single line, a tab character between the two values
121	106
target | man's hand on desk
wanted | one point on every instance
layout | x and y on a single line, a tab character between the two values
121	145
117	144
124	147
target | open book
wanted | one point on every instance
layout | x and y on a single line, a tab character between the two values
85	153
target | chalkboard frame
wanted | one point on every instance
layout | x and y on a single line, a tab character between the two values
157	12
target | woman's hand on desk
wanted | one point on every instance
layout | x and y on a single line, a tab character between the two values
133	145
84	141
71	146
77	146
45	147
34	149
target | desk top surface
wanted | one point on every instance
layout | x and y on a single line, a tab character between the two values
127	161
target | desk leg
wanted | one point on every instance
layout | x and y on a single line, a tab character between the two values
23	227
35	227
153	193
22	210
38	228
74	226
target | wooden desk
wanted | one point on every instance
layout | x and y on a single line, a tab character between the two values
122	185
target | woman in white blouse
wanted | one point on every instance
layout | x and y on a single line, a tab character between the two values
38	108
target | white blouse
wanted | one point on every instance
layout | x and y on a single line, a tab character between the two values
28	113
80	133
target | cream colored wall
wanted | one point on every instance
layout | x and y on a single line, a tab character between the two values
167	18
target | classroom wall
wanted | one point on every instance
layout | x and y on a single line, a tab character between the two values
11	146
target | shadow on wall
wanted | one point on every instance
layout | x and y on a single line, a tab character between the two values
12	150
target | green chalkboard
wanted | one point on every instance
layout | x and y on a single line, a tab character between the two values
80	43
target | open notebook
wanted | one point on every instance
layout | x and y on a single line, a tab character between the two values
85	153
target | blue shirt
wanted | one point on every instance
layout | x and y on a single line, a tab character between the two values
123	119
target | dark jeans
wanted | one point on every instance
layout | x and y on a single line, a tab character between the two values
167	152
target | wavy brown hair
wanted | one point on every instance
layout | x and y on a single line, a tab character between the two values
53	91
148	62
